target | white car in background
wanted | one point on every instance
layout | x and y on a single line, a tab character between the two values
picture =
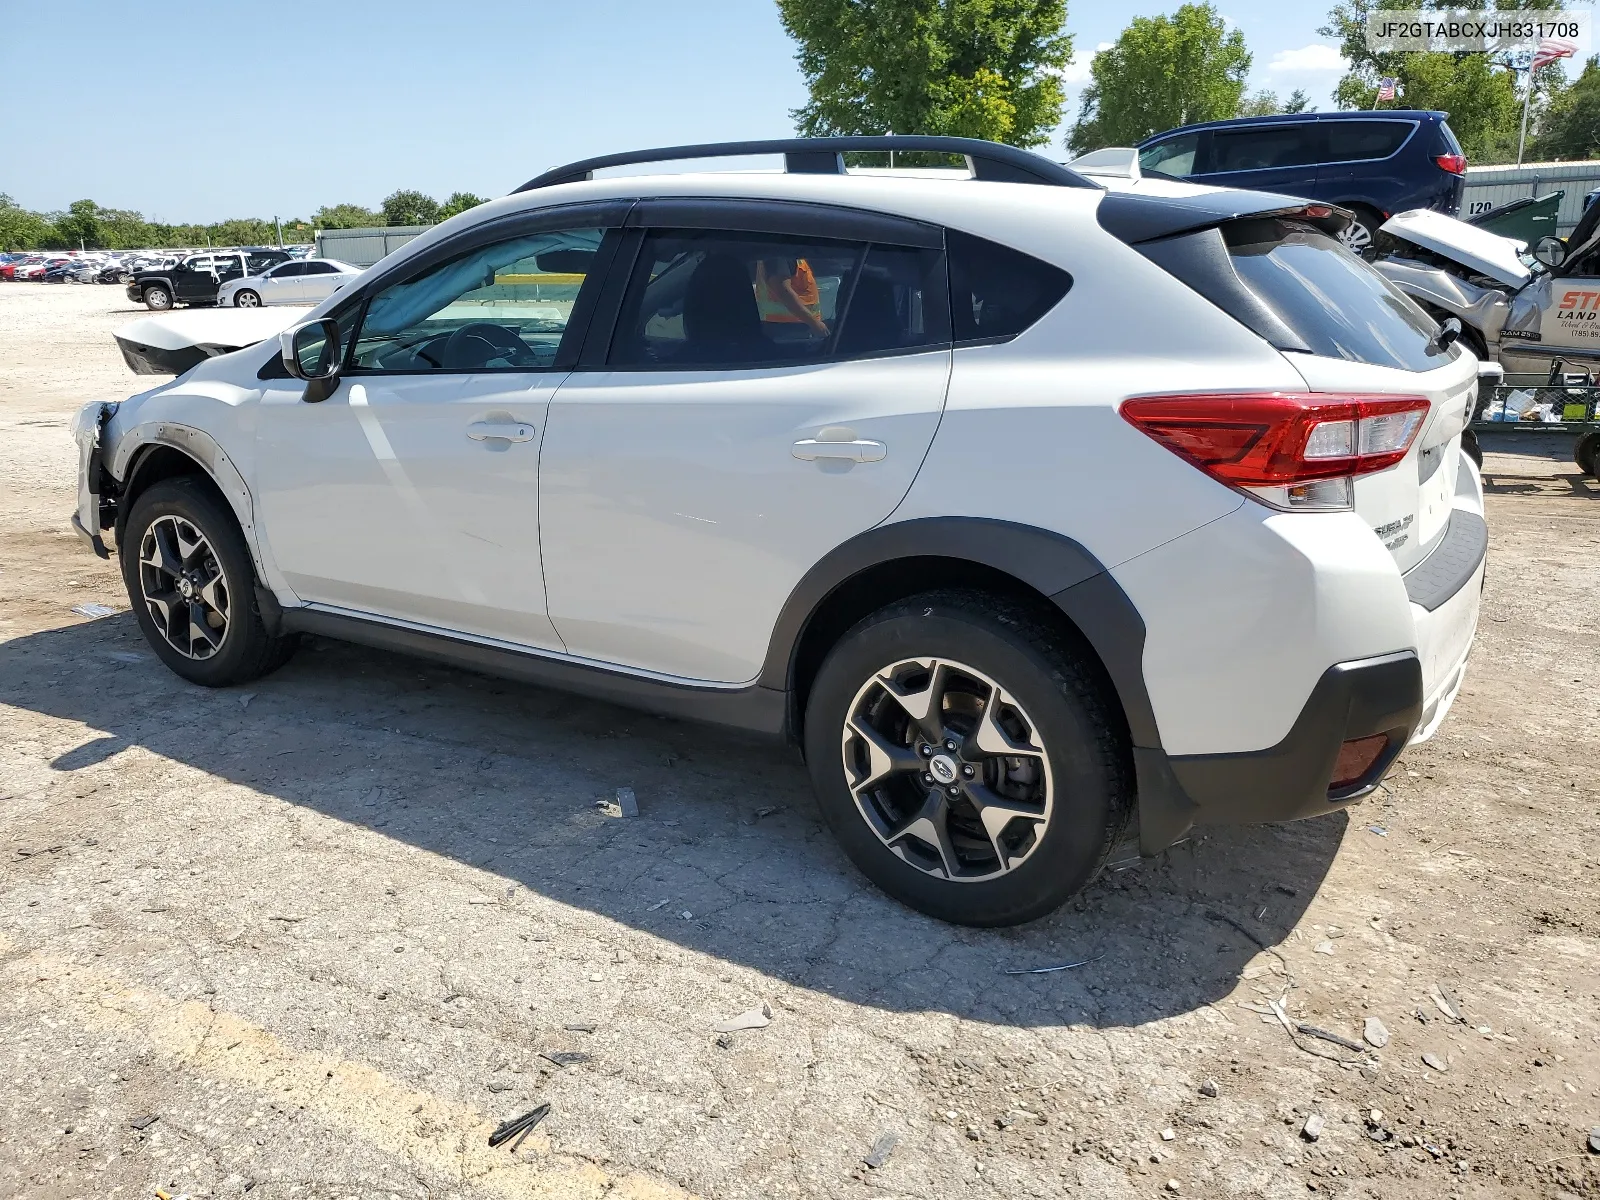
303	281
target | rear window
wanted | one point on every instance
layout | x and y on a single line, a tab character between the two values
1335	303
1352	141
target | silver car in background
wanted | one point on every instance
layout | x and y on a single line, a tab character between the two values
303	281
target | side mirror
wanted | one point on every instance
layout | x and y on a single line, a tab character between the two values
1551	251
311	352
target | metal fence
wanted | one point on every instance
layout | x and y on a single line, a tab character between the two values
363	247
1490	187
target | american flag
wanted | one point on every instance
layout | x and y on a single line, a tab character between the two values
1386	87
1550	49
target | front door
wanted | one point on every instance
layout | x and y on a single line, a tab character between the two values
764	399
195	278
412	492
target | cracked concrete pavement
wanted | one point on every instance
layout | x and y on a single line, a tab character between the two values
322	929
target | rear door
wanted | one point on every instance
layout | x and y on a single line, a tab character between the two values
1265	158
319	280
775	377
1362	164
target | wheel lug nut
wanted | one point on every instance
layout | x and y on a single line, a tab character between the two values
926	778
967	771
954	791
925	750
949	744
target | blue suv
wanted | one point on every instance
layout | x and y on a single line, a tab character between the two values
1375	163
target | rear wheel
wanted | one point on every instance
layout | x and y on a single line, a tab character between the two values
192	586
157	298
965	758
1359	234
245	298
1587	454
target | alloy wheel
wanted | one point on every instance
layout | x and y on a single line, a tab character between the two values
183	586
947	769
247	299
1357	238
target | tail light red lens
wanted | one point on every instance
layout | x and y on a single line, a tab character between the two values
1456	164
1356	758
1280	439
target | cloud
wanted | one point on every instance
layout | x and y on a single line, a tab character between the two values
1077	68
1315	57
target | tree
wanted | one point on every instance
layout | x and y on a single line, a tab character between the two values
1298	102
1570	128
973	68
459	202
345	216
1262	104
79	226
410	208
1162	72
1480	95
21	229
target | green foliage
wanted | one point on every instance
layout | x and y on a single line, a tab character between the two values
1571	125
972	68
345	216
410	208
459	202
1298	102
1266	104
1162	72
1482	98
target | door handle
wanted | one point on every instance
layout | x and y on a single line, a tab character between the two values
509	431
861	450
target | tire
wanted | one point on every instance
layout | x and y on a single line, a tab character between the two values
1586	453
157	298
1469	443
1074	784
245	298
1360	236
182	523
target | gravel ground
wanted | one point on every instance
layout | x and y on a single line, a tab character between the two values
312	939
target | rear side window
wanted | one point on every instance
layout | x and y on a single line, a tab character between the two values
1263	149
997	292
898	304
1447	139
1174	157
1352	141
1334	302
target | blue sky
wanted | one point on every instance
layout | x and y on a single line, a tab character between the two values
189	110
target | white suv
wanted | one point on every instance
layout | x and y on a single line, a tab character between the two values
1034	509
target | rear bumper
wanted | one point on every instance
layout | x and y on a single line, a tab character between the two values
1445	590
1289	781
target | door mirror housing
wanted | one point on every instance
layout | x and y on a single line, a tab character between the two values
1551	251
311	350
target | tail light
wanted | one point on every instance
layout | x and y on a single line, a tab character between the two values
1292	450
1456	164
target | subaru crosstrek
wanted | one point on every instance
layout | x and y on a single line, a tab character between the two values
1037	512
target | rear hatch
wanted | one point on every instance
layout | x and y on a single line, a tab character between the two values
1347	330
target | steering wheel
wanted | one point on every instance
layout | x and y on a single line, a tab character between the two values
487	341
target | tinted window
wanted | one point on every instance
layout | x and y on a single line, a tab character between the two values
1262	149
260	262
898	303
317	268
715	299
1350	141
1175	156
500	307
1337	304
287	271
996	291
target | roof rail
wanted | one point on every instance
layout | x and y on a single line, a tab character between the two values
992	161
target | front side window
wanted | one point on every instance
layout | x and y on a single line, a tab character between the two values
1174	157
199	263
500	307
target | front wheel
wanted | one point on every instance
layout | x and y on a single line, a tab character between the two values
245	298
157	298
965	758
192	586
1587	454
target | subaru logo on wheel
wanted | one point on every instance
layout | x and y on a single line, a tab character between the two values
943	768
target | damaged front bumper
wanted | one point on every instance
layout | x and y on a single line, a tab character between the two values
88	431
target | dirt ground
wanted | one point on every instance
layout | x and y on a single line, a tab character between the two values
311	939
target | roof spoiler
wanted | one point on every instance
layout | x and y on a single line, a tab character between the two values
1117	162
988	161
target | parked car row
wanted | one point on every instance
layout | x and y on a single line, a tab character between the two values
247	277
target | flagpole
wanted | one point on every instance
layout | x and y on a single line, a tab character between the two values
1522	134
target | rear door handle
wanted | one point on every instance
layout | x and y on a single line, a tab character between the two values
861	450
483	431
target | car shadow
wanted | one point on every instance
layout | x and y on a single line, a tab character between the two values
728	856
